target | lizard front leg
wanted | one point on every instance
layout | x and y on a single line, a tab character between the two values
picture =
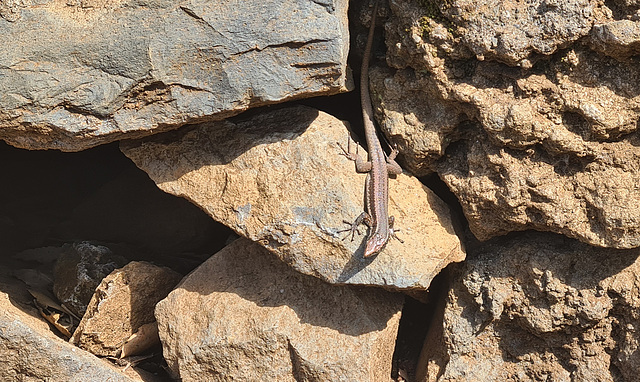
361	165
393	168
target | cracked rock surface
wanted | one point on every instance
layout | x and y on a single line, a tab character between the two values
87	73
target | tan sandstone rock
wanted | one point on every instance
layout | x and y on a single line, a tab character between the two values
278	178
123	302
30	351
537	306
246	316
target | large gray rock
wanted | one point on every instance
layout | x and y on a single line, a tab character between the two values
279	179
537	306
549	145
77	74
244	315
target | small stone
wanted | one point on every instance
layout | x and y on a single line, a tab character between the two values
244	315
78	271
122	303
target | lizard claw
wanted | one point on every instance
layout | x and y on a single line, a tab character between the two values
393	231
394	152
344	152
352	230
347	152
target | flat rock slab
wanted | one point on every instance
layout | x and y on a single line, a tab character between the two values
29	351
243	315
538	306
278	178
122	303
77	74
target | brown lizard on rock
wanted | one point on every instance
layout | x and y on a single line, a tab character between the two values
379	166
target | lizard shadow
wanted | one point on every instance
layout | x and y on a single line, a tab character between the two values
356	263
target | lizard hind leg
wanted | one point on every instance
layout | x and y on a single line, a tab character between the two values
393	231
363	218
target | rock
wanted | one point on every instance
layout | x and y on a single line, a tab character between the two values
620	38
81	74
122	303
592	199
510	31
536	307
244	315
78	271
278	178
29	351
547	146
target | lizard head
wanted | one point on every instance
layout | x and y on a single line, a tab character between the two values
375	244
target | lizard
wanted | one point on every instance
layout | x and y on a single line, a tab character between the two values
378	167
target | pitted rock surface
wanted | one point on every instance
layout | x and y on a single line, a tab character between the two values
540	133
536	306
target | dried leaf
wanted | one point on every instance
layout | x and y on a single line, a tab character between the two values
53	312
145	338
59	320
44	300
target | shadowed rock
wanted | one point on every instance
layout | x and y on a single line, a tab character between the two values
245	315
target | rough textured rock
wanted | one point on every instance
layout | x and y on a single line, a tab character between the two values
537	306
29	351
595	200
549	145
77	74
122	303
245	315
278	178
619	38
510	31
79	269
